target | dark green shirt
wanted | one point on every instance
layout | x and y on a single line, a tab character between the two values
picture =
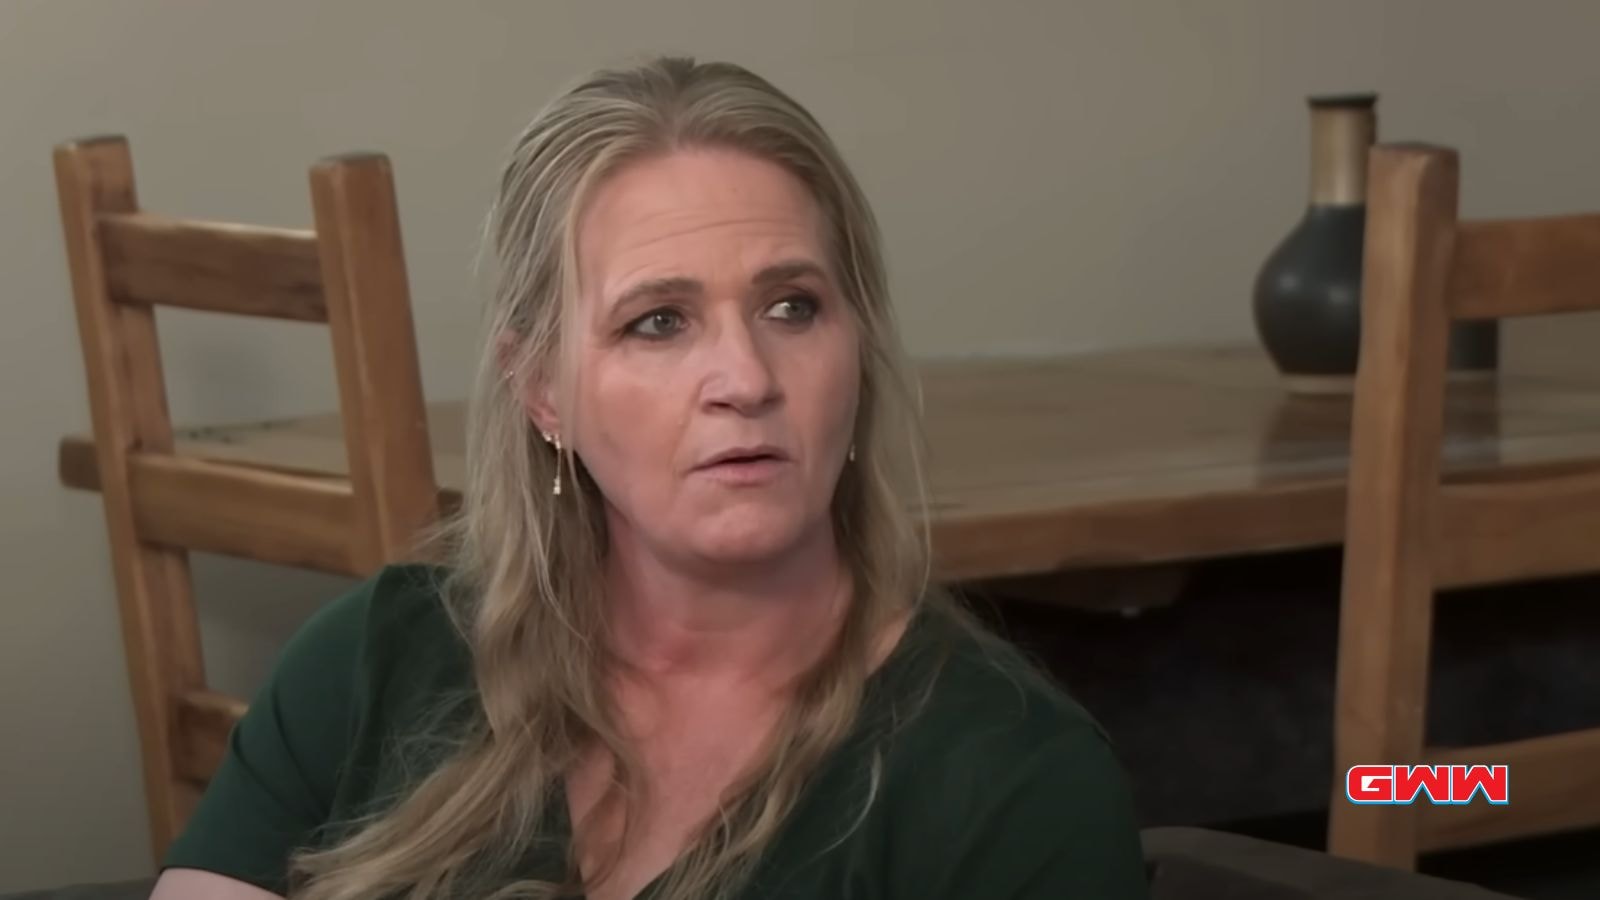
997	786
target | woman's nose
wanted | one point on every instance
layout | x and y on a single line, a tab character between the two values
741	373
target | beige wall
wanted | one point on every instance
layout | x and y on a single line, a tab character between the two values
1051	176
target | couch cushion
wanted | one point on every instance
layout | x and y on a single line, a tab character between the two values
1200	864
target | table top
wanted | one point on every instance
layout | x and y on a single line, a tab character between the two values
1133	456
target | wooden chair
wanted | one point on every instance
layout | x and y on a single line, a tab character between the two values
1411	533
348	273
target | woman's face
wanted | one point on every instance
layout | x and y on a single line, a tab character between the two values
717	365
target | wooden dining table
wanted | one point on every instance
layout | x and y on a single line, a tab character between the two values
1092	460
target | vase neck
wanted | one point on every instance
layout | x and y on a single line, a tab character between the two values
1341	135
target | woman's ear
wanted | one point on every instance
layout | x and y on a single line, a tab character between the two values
538	402
533	392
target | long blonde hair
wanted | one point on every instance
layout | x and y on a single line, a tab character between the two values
525	567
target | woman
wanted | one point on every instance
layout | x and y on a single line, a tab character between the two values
683	646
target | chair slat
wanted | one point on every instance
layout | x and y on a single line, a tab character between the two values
217	267
1526	267
1503	531
1554	786
245	512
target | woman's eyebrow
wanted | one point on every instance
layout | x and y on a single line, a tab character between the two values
788	270
659	287
678	286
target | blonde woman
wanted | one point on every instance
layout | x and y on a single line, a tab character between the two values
683	646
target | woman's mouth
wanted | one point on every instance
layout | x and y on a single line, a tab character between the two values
745	465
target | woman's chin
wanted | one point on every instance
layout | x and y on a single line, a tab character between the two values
746	542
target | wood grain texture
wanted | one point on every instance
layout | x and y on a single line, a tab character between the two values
127	403
1537	528
236	510
239	269
1386	618
1554	786
383	418
1526	267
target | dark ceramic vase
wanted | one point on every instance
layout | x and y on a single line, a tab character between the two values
1308	292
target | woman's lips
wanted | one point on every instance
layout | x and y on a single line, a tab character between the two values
744	470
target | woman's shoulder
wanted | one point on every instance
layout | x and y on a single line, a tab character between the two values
1004	771
373	659
396	611
980	691
311	747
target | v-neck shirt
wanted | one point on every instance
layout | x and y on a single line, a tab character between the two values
967	774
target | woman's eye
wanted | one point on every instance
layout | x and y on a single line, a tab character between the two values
795	308
658	323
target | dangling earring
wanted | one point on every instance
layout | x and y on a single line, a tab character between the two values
555	489
852	452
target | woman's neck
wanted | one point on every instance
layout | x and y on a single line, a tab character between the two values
766	623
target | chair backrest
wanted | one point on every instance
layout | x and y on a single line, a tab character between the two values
348	273
1410	530
1424	270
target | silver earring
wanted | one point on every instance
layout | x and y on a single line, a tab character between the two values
556	488
852	452
555	439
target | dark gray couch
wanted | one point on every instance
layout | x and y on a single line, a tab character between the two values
1199	864
1184	864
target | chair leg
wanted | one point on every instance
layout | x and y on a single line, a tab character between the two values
1379	716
